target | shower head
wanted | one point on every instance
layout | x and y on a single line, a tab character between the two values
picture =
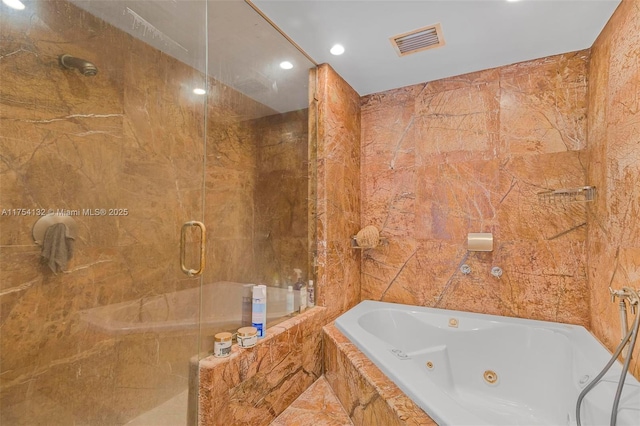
88	69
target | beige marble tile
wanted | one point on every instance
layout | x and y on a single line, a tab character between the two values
317	405
446	158
280	195
543	104
253	386
369	396
338	192
457	119
130	137
613	247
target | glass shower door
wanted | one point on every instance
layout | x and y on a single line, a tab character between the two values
110	141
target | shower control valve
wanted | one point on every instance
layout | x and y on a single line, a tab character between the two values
616	293
612	293
627	293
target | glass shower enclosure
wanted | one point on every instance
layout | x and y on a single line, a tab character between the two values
160	154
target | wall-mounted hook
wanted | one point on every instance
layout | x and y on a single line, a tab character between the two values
496	271
43	223
465	269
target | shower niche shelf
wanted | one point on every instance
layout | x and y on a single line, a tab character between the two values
581	194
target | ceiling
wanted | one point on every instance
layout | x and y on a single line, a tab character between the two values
479	34
243	50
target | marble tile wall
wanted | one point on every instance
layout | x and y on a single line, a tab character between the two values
281	200
127	138
318	405
469	154
231	181
613	247
230	184
253	386
338	190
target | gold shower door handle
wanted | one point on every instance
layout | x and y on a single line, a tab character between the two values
183	243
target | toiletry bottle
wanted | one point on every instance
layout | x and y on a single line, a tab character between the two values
302	288
259	311
247	302
299	282
290	299
303	297
311	291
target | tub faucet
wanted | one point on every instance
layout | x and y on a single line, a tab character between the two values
625	294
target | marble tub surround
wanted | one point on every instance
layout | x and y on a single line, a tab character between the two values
613	247
253	386
369	397
338	190
469	154
318	405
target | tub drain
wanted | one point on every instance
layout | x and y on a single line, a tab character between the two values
429	365
490	376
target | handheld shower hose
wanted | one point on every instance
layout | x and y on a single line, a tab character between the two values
631	334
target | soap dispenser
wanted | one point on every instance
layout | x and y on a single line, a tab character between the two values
301	286
299	282
290	300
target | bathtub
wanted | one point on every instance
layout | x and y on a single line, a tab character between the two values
463	368
220	302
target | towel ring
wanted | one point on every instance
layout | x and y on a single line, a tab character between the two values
42	224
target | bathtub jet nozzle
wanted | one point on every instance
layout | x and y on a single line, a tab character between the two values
86	68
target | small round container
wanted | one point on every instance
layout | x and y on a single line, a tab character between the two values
222	345
247	337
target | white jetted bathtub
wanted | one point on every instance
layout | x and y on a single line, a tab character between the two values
472	369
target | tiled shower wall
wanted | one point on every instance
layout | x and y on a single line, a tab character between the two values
614	168
126	138
338	190
131	137
267	378
469	154
256	192
281	200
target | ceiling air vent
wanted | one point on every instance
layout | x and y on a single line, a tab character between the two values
418	40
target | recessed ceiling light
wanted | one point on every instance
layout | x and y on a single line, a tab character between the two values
337	49
286	65
14	4
199	91
512	1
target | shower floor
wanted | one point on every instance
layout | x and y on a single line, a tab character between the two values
170	413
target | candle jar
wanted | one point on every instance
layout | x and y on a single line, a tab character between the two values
222	344
247	337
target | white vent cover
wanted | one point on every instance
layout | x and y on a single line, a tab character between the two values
418	40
